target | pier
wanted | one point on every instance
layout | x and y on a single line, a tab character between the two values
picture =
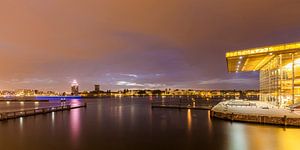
186	103
36	111
255	112
204	107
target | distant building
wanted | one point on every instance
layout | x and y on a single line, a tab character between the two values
24	92
97	88
75	88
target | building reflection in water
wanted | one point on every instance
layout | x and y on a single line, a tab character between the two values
76	102
21	123
189	120
249	136
36	105
209	123
132	114
150	116
53	119
120	115
150	98
22	104
99	113
75	125
288	139
237	137
163	100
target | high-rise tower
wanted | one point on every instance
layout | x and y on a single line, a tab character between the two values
97	88
75	88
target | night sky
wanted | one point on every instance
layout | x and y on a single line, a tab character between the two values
45	44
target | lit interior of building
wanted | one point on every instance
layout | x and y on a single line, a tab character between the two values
279	68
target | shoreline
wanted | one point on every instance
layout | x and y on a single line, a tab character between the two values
258	113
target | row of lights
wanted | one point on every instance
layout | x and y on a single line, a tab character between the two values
239	62
8	102
238	66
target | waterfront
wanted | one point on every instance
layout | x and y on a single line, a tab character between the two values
130	123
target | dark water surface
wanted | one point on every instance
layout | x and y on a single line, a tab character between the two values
130	123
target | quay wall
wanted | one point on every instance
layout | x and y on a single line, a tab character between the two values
285	121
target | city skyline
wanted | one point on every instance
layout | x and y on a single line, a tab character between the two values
133	44
149	74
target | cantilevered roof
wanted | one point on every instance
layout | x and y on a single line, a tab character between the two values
254	59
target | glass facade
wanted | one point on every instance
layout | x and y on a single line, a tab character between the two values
280	79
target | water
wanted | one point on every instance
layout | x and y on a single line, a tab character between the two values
130	123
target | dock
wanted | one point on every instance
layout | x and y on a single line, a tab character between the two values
184	103
36	111
203	107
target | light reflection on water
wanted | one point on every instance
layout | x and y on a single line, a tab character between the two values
53	119
209	123
120	114
130	123
21	123
76	102
238	138
75	125
262	137
288	139
189	120
132	114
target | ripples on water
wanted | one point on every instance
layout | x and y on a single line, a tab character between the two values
130	123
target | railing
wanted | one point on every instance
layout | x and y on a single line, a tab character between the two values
41	110
183	103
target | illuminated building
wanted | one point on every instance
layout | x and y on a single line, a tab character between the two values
279	68
97	88
74	88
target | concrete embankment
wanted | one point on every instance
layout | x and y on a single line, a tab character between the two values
257	119
256	114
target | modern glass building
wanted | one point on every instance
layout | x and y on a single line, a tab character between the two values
279	67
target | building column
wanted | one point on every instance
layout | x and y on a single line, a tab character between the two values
293	79
260	84
281	78
269	84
